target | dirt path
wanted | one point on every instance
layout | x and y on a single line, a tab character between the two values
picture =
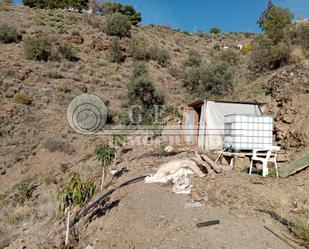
150	216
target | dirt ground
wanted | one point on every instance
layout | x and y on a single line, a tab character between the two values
150	216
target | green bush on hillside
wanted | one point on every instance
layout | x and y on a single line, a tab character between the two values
9	34
274	21
108	8
268	56
139	70
67	51
138	48
143	93
52	4
114	51
117	25
194	59
214	30
159	55
214	80
37	48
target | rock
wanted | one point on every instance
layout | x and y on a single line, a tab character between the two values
198	196
194	204
288	118
45	99
89	247
306	207
2	171
281	127
169	149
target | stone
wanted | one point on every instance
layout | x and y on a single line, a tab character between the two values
288	118
89	247
306	208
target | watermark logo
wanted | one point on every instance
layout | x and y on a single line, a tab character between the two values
86	114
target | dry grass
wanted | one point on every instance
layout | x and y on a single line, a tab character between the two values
297	55
18	215
58	145
300	227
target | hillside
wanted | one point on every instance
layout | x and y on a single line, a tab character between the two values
37	147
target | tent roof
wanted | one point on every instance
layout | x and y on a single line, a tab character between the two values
200	102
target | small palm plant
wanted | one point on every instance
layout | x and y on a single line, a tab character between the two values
74	192
104	154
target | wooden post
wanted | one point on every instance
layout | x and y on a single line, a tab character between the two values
67	231
103	176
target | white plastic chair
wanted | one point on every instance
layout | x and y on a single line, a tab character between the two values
271	156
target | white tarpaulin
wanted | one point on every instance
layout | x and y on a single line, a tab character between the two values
215	112
176	171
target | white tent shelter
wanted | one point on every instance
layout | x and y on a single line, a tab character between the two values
203	123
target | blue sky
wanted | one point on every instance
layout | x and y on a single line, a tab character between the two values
228	15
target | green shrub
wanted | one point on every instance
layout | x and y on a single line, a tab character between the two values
228	56
50	4
300	226
159	55
142	92
117	24
108	8
301	34
37	48
217	80
214	30
174	71
9	34
18	215
173	111
268	56
24	191
247	48
114	51
161	149
274	21
194	59
139	70
104	154
75	192
214	80
138	48
67	51
217	47
192	77
53	73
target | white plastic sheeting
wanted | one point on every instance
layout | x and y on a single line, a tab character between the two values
215	112
176	171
